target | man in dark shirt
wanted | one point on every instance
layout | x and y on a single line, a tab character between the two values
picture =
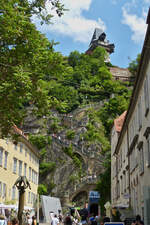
84	214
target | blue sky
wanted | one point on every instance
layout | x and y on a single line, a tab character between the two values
123	21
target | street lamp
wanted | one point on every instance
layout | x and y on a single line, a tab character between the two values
21	183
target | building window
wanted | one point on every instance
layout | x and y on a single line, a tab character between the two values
28	197
30	156
0	188
26	150
1	156
146	96
13	193
4	190
141	160
37	178
132	160
25	169
5	163
29	173
32	175
20	168
15	146
15	166
21	148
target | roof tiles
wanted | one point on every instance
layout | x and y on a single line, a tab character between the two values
118	122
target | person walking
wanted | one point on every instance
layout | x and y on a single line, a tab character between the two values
15	221
68	220
55	220
138	221
33	220
3	220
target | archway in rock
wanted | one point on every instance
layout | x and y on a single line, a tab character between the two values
80	157
80	198
93	209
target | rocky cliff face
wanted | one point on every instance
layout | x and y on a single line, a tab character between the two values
74	148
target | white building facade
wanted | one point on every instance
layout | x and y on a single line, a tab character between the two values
131	156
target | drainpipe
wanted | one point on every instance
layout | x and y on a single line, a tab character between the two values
37	209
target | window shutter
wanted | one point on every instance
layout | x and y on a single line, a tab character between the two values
1	156
6	156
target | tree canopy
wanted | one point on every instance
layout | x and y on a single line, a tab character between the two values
26	57
133	65
34	74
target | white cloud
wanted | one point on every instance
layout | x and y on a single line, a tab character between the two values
136	24
73	23
114	2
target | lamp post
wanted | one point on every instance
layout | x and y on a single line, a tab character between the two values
21	183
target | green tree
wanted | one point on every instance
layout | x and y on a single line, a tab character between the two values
39	141
25	57
70	134
47	167
133	65
42	189
104	184
111	109
74	58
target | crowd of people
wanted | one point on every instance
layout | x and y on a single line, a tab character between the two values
84	218
74	217
14	221
81	217
138	221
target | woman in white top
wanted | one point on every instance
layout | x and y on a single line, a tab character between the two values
3	220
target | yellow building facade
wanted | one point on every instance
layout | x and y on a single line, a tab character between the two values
18	159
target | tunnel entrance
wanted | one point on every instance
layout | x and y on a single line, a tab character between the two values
80	198
94	209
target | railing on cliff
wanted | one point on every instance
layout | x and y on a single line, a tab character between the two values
83	183
82	108
78	148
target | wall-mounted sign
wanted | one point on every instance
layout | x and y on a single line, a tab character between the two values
126	196
94	194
